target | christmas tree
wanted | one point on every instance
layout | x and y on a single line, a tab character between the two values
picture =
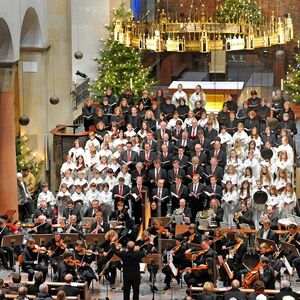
120	66
25	157
292	83
238	11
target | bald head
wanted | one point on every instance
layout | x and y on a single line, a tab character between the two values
68	278
130	245
235	284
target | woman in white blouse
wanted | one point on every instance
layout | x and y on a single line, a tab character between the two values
265	176
235	161
203	119
121	140
189	120
230	175
76	150
226	138
273	198
281	180
106	200
125	174
287	201
229	203
283	162
254	136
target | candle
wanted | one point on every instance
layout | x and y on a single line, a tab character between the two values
281	84
131	83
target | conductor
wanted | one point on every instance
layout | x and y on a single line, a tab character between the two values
131	268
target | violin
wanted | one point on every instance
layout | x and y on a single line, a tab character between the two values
162	230
176	249
40	250
60	244
194	255
198	268
191	237
74	263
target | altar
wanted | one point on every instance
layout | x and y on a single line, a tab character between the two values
215	91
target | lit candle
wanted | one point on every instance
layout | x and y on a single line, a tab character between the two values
281	84
130	83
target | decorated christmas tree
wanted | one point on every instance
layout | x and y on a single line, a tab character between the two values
292	83
120	66
234	11
25	156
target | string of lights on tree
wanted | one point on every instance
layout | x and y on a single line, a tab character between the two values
292	83
120	66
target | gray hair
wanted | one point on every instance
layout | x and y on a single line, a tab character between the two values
43	288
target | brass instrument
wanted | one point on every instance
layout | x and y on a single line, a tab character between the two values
35	228
237	216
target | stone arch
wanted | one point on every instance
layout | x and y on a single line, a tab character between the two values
31	35
6	46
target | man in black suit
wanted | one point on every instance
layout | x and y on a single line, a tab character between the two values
202	140
195	188
131	268
231	123
121	192
99	226
182	158
214	169
185	143
157	173
71	210
266	273
91	211
195	168
6	253
178	190
235	292
149	139
68	288
183	209
177	131
266	232
136	200
147	156
165	157
64	267
209	132
273	217
213	188
41	226
128	156
219	154
246	215
159	133
160	195
198	152
138	171
175	171
193	130
44	210
134	119
165	141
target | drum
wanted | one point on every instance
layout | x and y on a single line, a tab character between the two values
260	197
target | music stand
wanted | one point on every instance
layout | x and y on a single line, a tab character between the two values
42	239
11	241
290	249
167	244
270	243
70	238
94	239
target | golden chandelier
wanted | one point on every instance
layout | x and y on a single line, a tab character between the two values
202	34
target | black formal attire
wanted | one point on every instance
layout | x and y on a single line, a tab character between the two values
179	261
161	196
69	212
125	220
217	190
196	277
177	194
46	228
25	204
231	106
234	293
207	296
63	270
58	251
218	172
272	235
193	132
103	119
147	158
167	109
247	218
154	175
270	138
6	253
47	212
172	174
252	296
28	266
268	277
231	125
69	290
135	174
88	114
166	160
159	133
287	291
124	157
254	103
210	134
250	123
91	212
289	124
135	121
221	156
131	271
137	202
293	259
195	238
169	144
187	144
222	117
192	170
121	194
86	273
219	215
204	142
129	98
105	227
195	200
177	134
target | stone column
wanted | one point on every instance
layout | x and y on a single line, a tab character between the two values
8	179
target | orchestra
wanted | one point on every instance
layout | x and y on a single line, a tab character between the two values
196	199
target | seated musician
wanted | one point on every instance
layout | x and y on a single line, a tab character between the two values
266	232
42	226
6	253
244	216
85	257
106	266
239	248
92	210
44	210
99	226
73	226
214	213
147	244
205	265
272	214
56	248
34	259
67	266
124	222
158	231
293	238
192	235
184	211
71	210
179	261
266	273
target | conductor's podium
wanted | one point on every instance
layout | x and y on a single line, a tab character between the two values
215	91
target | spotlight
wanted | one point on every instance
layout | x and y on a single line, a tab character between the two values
83	75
